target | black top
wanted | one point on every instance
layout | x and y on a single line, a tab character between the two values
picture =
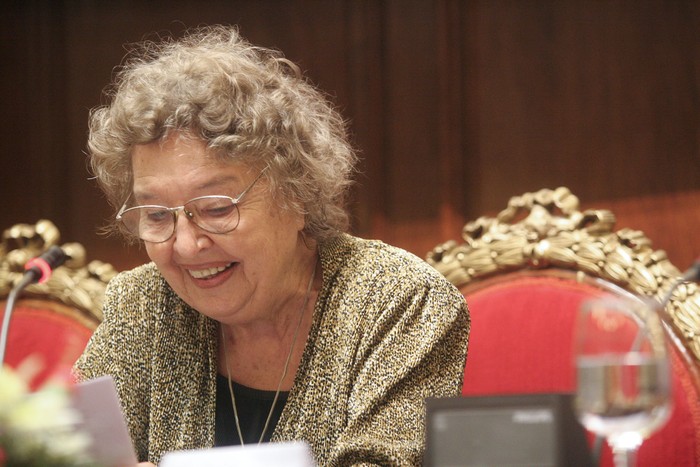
253	406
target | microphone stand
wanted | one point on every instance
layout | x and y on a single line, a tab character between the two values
38	269
27	279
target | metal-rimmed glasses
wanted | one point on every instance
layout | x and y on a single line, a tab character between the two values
217	214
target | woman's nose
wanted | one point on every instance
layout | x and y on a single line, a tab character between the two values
188	238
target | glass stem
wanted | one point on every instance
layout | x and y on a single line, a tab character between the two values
625	457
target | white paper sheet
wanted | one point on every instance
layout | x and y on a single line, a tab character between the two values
290	454
103	420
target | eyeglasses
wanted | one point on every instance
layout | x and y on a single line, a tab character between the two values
216	214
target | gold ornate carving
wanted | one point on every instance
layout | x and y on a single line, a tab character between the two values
546	229
76	283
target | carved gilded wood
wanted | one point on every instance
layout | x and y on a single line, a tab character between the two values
546	229
77	283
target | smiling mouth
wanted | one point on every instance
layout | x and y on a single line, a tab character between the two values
209	272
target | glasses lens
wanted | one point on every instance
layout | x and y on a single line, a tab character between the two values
215	214
149	223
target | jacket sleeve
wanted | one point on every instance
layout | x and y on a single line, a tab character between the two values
118	348
414	348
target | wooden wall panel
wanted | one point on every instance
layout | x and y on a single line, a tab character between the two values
366	113
671	222
32	127
598	96
410	109
454	106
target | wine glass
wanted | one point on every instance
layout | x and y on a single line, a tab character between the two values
623	372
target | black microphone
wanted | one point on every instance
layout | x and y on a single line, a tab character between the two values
692	274
38	269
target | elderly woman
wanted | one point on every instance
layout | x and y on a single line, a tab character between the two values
258	318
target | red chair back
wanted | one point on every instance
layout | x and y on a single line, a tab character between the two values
521	343
52	320
526	271
49	336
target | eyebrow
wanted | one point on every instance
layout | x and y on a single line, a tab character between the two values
148	197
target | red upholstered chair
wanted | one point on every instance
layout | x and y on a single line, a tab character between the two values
53	321
524	274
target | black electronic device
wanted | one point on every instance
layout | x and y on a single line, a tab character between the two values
525	430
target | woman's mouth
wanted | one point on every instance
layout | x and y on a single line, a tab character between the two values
208	273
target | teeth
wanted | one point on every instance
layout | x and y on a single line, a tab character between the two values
209	272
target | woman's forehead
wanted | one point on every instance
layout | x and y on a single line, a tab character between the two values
180	173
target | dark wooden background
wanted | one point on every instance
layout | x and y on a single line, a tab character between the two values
455	106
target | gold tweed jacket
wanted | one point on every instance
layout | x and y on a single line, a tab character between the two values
388	331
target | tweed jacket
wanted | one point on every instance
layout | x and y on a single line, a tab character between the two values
388	331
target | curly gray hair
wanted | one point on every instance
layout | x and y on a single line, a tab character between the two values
249	104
